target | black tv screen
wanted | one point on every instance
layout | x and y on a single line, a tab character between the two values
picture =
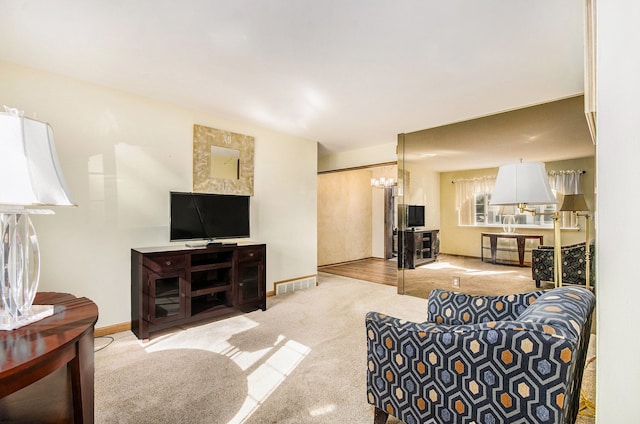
415	216
200	216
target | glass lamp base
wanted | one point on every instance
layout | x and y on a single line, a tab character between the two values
20	258
509	224
33	314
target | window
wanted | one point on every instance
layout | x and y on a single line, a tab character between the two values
473	202
478	211
484	212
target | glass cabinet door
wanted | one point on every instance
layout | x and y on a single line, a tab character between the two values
250	281
166	297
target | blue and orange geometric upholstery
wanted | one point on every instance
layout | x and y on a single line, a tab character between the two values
482	359
446	307
574	264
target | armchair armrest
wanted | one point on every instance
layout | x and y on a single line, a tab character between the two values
446	307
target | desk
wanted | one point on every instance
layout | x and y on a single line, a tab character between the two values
493	243
44	349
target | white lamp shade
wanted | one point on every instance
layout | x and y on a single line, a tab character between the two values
507	210
522	183
29	170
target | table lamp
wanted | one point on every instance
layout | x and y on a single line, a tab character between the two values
508	214
524	184
30	175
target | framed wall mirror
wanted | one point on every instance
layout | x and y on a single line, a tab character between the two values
222	161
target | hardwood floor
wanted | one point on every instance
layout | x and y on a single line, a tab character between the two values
476	277
372	269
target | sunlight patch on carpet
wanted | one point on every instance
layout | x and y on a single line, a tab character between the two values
322	410
441	265
268	376
240	339
473	272
466	271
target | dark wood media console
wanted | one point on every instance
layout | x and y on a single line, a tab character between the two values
175	285
419	247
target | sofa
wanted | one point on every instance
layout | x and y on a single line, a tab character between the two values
483	359
573	264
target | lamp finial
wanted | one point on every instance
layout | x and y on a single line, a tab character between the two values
13	111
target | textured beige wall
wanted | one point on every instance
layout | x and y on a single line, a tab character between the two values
344	216
465	241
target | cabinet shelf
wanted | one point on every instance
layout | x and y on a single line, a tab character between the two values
161	293
207	267
210	258
209	290
209	303
167	309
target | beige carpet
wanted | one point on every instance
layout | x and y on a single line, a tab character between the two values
475	276
301	361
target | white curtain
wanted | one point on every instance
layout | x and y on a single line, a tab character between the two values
563	182
467	187
566	181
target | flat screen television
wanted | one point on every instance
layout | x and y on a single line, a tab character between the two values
202	216
415	216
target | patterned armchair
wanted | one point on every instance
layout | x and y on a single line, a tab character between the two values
482	359
573	264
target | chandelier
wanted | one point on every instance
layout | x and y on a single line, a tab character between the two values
382	182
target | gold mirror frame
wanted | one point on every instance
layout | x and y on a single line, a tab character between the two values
203	180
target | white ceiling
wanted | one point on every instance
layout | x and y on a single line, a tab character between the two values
346	73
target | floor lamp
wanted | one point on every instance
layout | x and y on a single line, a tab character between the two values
29	176
575	203
523	184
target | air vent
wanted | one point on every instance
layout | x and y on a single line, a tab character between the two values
293	285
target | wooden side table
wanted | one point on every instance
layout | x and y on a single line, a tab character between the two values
520	242
30	356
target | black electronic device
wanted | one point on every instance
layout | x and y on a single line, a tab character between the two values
203	216
415	216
